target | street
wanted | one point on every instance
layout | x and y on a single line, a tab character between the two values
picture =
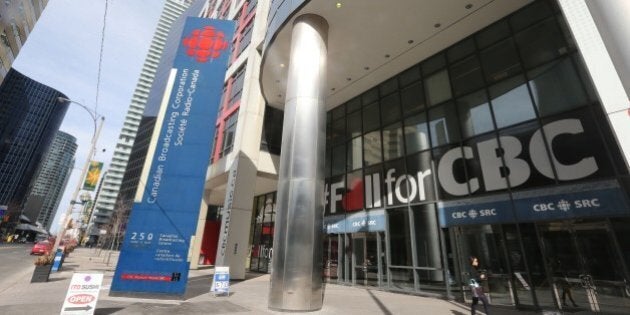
16	260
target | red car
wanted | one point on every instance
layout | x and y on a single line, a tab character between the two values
41	248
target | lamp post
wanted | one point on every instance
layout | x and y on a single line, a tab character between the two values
97	130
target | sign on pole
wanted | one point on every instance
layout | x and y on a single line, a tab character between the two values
221	281
82	294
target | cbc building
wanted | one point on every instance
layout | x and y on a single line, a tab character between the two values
427	132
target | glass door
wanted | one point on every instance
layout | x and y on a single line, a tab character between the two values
331	255
585	266
365	260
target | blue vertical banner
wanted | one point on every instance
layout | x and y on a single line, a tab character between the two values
154	256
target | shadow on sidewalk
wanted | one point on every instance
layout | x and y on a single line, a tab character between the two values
107	310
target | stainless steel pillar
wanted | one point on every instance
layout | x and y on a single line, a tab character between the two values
296	276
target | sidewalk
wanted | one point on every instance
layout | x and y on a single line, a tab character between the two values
19	296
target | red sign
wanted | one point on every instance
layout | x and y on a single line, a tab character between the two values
81	298
132	276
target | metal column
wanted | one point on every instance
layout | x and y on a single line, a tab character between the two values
296	276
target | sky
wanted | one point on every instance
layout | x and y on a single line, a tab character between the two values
63	52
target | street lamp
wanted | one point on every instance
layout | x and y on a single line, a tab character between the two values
97	130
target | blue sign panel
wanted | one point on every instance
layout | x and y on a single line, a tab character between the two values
153	258
597	199
370	221
480	212
593	203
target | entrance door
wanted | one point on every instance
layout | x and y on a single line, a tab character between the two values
585	266
365	262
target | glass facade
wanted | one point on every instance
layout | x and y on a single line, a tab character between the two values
262	232
30	115
495	147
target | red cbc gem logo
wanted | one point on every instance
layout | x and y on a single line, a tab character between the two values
204	44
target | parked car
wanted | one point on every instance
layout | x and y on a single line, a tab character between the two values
41	248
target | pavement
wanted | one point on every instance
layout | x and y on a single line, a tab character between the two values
249	296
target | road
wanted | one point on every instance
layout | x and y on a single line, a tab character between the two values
16	260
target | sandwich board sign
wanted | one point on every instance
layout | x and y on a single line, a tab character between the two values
82	294
221	281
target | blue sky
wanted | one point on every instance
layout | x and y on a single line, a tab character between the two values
63	52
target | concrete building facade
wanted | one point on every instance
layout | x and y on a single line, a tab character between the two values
17	20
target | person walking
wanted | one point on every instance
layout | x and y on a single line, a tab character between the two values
476	288
477	294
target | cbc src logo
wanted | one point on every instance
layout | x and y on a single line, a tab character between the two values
205	43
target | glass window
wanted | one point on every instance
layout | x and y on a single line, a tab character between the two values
338	112
397	192
372	148
474	112
271	136
328	162
354	125
399	237
389	86
556	87
530	15
412	98
540	43
568	37
369	97
409	76
353	105
338	160
500	61
438	88
352	200
433	64
416	133
466	76
523	133
371	117
511	102
393	141
373	192
420	166
492	34
461	50
390	108
427	236
338	131
443	125
355	156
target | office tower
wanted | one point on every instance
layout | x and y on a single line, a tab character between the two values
51	180
17	20
30	116
106	201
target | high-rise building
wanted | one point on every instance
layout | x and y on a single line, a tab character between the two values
30	116
106	201
51	180
493	129
17	20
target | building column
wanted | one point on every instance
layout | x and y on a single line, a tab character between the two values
602	37
612	18
296	276
195	247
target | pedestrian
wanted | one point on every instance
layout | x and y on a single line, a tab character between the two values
477	294
476	288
